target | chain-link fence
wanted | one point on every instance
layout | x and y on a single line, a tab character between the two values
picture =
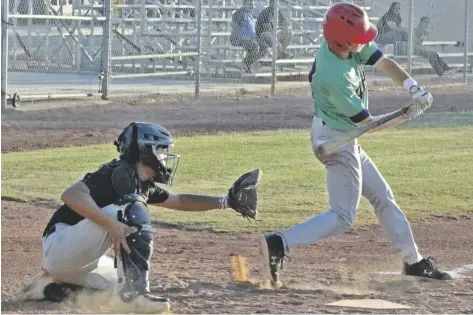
427	36
154	47
440	42
81	48
51	50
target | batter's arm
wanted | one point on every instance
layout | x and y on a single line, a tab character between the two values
393	70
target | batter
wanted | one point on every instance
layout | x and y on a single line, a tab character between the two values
340	97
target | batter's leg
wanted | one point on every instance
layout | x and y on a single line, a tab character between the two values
377	191
394	222
344	179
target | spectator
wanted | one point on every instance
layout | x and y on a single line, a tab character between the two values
264	31
244	35
420	33
390	30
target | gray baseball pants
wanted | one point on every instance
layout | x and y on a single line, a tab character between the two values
77	254
351	174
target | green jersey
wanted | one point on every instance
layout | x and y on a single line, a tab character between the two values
339	86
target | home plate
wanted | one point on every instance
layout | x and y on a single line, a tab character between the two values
369	303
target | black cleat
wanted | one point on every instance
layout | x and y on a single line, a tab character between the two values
272	250
156	298
60	291
425	268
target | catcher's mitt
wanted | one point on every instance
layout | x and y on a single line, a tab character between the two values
243	195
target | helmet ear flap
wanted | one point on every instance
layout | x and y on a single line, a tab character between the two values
133	148
127	144
119	142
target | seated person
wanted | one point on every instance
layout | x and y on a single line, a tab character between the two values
390	30
420	33
264	31
243	34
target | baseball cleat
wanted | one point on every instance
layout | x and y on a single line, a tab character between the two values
272	251
60	291
426	269
147	303
44	288
160	298
140	303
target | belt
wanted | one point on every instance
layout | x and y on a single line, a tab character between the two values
51	230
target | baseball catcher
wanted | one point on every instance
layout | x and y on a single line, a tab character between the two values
340	94
109	208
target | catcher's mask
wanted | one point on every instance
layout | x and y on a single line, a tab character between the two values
151	145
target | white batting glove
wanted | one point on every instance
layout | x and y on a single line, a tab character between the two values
420	96
421	100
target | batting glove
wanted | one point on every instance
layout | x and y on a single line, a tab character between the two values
421	99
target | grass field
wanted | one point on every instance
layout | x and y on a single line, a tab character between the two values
429	170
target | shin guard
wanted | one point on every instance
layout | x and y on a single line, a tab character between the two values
136	264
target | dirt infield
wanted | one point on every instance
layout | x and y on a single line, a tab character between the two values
193	268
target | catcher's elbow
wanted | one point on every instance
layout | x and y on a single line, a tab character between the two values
73	192
67	195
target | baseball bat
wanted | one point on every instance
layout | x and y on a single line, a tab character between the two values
333	144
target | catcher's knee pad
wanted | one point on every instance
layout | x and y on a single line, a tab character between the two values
140	242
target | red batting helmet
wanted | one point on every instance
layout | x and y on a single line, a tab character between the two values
346	23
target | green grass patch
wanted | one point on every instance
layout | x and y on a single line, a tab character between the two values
428	170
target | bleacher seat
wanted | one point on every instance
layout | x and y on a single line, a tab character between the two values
218	55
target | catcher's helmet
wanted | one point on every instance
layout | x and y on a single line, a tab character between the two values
149	144
346	23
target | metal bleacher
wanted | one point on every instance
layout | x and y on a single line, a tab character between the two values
154	27
306	17
168	29
420	65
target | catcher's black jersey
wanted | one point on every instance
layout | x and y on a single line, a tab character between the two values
104	191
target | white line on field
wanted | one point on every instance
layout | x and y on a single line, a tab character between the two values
387	272
461	270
